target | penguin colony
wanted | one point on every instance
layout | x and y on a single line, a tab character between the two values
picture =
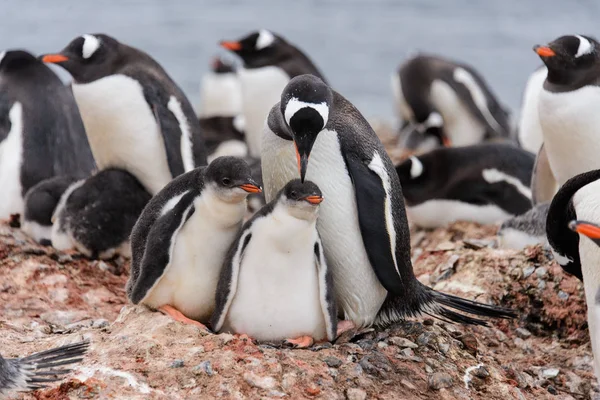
141	175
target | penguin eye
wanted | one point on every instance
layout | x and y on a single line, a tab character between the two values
226	181
294	194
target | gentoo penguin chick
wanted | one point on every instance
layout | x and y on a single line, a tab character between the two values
39	369
484	183
181	239
220	111
568	110
362	223
529	130
524	230
275	284
269	62
135	116
40	202
448	101
95	216
41	133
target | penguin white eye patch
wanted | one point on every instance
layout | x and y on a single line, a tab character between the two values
585	47
90	44
295	105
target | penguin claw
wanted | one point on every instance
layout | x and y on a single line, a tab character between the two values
178	316
301	342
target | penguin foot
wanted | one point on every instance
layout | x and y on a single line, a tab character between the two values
178	316
301	342
344	326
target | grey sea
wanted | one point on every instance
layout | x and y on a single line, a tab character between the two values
357	44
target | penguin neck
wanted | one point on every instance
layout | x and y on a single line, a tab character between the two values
224	213
289	228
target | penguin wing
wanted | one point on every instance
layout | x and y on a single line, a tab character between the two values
326	293
171	133
543	182
158	246
5	105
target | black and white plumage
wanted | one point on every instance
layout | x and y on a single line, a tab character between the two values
484	183
38	370
529	131
449	101
41	132
269	62
135	115
40	203
275	283
362	223
95	216
181	239
524	230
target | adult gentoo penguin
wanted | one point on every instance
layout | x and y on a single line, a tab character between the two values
39	369
269	62
362	223
220	111
447	100
484	183
181	239
529	131
275	284
136	118
41	133
95	216
568	104
40	202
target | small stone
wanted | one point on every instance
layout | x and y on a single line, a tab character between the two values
562	295
102	266
426	338
382	345
439	380
100	323
333	362
470	342
481	372
204	367
177	364
528	270
408	384
428	321
541	272
276	393
407	352
523	333
550	373
402	342
523	345
541	285
428	369
356	394
552	390
64	259
444	347
63	318
261	382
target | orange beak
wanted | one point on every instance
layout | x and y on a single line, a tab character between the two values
233	46
297	155
446	141
54	58
590	230
314	199
250	188
544	51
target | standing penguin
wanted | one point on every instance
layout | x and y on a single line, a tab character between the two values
483	183
135	116
220	111
269	62
362	224
447	100
181	239
275	284
40	203
41	133
529	131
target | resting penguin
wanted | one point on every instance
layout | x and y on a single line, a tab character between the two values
362	223
275	284
37	370
220	111
447	100
135	116
180	241
96	215
524	230
483	183
41	133
40	203
269	62
529	131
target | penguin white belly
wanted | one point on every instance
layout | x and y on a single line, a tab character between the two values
571	126
460	125
440	212
277	294
261	89
11	160
404	109
358	291
36	231
122	130
530	129
190	280
221	96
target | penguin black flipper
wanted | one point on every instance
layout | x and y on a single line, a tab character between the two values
563	241
543	182
326	292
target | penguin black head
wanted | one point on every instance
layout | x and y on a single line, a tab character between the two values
231	178
16	59
88	57
302	198
588	229
221	66
257	49
569	58
305	105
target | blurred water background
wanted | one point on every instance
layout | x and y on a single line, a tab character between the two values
356	43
